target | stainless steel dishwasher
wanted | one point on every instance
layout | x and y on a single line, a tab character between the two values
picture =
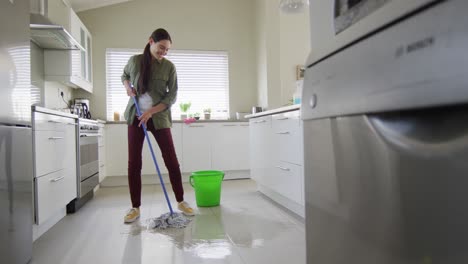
386	144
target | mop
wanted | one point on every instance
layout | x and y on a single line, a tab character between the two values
170	219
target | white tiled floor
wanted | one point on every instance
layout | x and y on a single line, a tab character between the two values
246	228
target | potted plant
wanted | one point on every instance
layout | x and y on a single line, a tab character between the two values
207	112
196	116
184	107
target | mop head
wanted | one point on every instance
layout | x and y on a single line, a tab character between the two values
176	220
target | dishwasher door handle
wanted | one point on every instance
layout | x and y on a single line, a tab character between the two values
433	132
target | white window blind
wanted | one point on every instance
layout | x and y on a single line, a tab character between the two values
203	78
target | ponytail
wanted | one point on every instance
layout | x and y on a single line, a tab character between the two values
145	70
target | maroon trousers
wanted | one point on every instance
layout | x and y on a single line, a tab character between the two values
136	138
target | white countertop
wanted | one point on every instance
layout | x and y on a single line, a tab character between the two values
276	111
44	110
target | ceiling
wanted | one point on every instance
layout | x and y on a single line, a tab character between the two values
82	5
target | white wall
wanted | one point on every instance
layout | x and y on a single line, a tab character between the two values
282	42
200	25
52	95
294	49
261	52
49	90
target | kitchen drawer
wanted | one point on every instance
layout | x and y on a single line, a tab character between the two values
53	192
47	122
288	137
285	121
287	179
50	151
263	121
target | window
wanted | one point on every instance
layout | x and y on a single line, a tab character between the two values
203	78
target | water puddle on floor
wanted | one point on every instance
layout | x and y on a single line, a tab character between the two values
213	235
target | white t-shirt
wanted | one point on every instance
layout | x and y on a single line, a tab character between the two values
145	102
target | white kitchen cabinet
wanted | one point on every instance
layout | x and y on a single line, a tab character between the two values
54	191
71	67
196	146
52	148
288	138
55	179
199	146
287	180
116	149
102	152
261	150
84	60
276	158
230	146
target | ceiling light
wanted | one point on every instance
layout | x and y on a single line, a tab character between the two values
293	6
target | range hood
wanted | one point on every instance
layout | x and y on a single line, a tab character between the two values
50	36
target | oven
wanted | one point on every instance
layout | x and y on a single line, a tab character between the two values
87	160
335	24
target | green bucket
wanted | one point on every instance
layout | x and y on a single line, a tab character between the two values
207	185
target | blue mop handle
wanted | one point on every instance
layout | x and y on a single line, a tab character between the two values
152	154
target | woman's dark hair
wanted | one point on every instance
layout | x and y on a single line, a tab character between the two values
145	65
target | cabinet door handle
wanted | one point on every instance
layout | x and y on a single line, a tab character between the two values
245	125
196	126
229	125
283	133
58	122
55	138
90	135
283	168
57	179
282	118
260	121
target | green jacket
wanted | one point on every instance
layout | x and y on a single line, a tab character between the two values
162	88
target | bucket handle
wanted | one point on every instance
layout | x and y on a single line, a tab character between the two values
191	180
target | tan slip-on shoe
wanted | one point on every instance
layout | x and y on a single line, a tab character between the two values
185	208
132	215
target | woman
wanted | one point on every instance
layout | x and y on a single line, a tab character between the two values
153	79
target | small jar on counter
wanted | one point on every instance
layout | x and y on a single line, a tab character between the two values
116	116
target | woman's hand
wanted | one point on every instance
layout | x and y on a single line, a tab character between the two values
131	92
145	117
148	114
